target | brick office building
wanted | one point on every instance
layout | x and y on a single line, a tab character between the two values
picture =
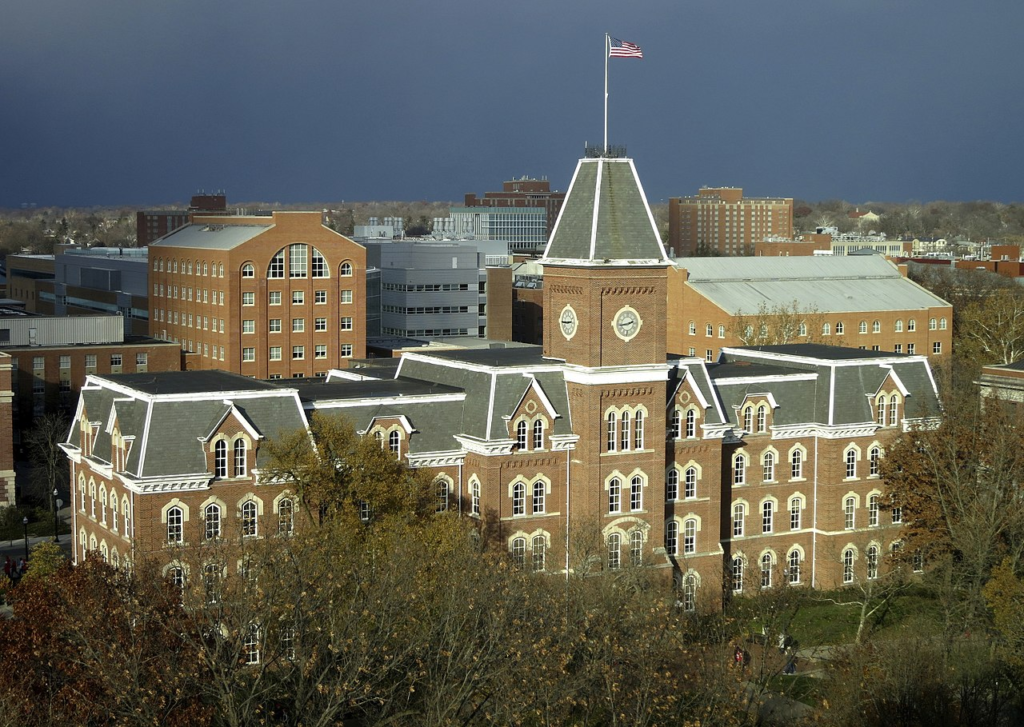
720	220
763	465
277	296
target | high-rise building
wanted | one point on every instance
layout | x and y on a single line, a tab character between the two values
265	296
720	221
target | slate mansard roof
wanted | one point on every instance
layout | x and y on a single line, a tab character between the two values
605	219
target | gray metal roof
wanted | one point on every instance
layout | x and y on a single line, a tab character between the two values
605	218
825	284
211	237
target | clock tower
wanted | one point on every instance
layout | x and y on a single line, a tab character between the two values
605	299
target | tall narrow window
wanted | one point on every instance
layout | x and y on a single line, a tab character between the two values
285	517
540	548
873	511
612	437
297	257
174	525
737	575
691	423
690	537
474	489
319	265
690	483
795	508
768	474
519	499
636	494
220	458
689	593
893	410
675	429
872	562
767	516
276	269
636	548
638	430
874	455
851	463
395	441
766	570
538	434
796	464
672	537
848	566
672	485
739	470
614	495
442	496
614	551
211	515
521	435
850	512
519	552
880	409
738	515
251	644
249	519
794	566
539	489
239	458
762	418
748	419
624	432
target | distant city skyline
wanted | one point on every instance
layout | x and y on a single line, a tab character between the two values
114	105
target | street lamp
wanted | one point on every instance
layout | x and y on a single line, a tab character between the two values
56	537
24	522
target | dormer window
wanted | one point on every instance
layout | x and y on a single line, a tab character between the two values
220	459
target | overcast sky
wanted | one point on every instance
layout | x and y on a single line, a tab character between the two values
121	102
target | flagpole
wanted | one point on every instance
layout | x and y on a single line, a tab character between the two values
606	51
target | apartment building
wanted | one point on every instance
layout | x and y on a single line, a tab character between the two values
720	220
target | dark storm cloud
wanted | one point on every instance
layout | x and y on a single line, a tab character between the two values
116	102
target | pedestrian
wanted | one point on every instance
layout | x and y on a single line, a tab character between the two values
22	567
738	656
8	567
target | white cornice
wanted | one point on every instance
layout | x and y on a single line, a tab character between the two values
437	459
813	361
647	373
924	423
824	431
563	442
491	448
748	380
386	401
716	431
506	369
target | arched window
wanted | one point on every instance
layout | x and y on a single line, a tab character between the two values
675	425
693	328
794	566
319	265
249	519
880	409
612	437
840	328
689	593
863	327
220	458
850	513
521	435
540	549
766	570
851	463
538	434
748	419
614	495
539	489
638	430
848	565
708	330
942	324
519	499
872	562
803	329
519	552
636	548
899	325
286	516
251	644
691	423
175	522
826	329
395	441
240	458
636	494
796	464
739	513
721	331
874	456
211	582
346	270
206	269
876	326
689	536
739	470
442	495
474	489
737	574
796	505
126	511
624	432
248	271
762	418
873	511
103	504
211	515
690	483
911	325
894	404
113	511
767	516
276	269
769	467
614	551
672	537
672	484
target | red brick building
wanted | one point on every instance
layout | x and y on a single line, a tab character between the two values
596	452
278	296
720	220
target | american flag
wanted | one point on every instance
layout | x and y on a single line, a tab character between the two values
624	49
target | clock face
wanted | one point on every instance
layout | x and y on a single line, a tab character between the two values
626	323
567	322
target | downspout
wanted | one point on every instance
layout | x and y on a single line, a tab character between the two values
568	460
460	489
814	530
